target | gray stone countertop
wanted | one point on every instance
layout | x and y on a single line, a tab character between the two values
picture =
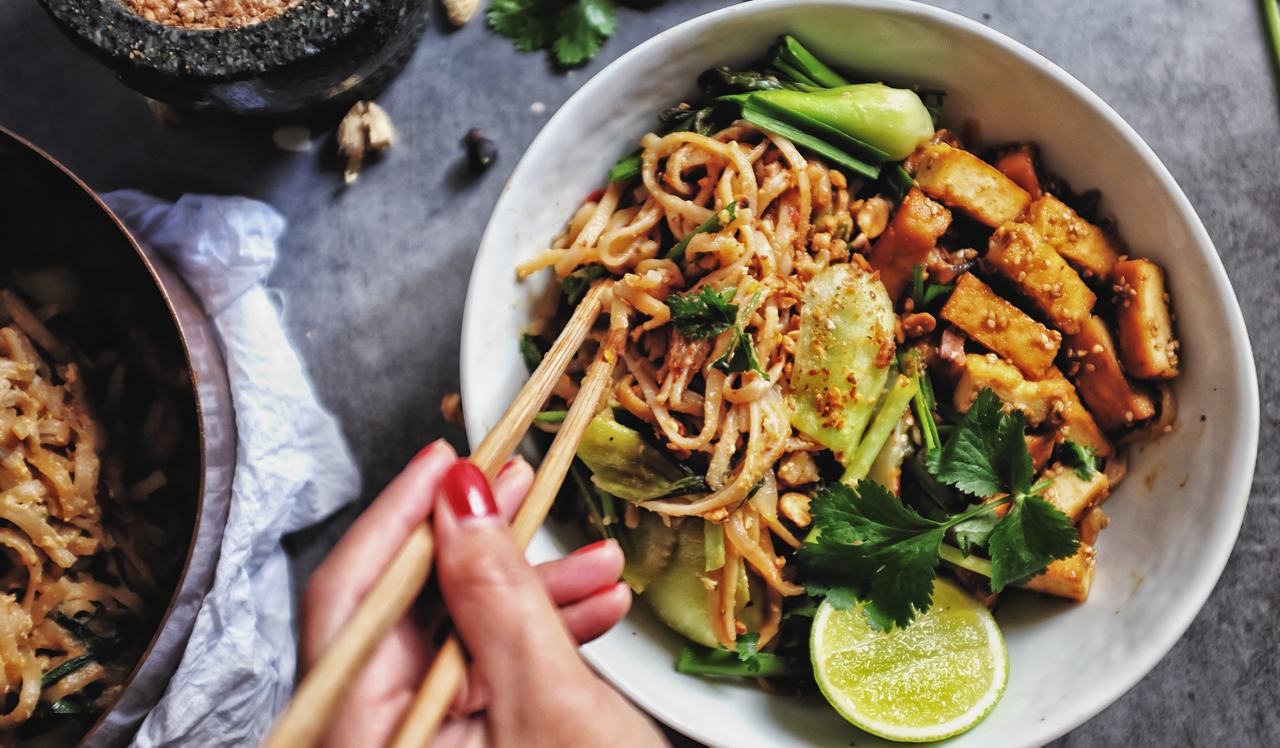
373	277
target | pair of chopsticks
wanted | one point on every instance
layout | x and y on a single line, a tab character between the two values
314	703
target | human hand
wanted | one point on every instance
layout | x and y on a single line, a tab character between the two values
527	686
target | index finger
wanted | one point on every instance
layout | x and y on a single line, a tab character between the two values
341	581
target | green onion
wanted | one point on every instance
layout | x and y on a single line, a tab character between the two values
550	416
703	661
789	71
765	121
899	398
65	669
796	56
897	179
628	166
712	224
838	138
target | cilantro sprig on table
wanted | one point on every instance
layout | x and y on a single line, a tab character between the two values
873	548
573	29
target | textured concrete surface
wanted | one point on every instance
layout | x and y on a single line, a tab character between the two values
373	277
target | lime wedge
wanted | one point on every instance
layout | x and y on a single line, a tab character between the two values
934	679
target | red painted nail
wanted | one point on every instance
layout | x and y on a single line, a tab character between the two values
589	548
468	491
425	451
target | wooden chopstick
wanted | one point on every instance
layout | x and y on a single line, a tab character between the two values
313	704
449	667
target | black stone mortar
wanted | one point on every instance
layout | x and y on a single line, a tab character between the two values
318	52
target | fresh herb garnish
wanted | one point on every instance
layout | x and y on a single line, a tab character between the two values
530	351
704	661
740	356
574	285
712	224
628	166
746	645
924	294
704	314
874	549
1083	459
573	29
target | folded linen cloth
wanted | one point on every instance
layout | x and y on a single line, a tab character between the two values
293	469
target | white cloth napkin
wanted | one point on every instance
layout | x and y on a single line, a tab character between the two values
293	469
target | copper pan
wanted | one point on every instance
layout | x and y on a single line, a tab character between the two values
49	217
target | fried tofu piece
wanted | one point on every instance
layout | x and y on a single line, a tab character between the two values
1091	524
1074	421
1025	258
1001	326
911	235
1019	165
1090	249
1147	345
1071	494
1112	398
1069	577
961	180
1034	398
1040	447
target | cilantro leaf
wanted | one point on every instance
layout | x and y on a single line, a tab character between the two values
1012	454
574	285
582	28
923	295
698	316
974	533
740	356
969	460
530	352
1030	537
746	645
1083	459
531	24
987	454
574	29
872	548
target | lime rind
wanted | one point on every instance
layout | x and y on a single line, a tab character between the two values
936	679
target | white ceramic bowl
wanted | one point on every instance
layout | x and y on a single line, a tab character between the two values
1173	520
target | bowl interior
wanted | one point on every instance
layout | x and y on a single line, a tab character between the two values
1173	520
50	220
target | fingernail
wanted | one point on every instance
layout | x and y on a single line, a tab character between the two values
468	491
426	450
509	464
589	548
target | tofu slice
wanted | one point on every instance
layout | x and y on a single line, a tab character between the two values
1147	345
912	233
1040	446
1019	165
961	180
1090	249
1072	495
1069	577
1091	524
1025	258
1111	397
1074	421
1034	398
1001	326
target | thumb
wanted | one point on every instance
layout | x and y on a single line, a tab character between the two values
499	605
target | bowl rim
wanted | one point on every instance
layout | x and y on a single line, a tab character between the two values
213	447
1234	503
